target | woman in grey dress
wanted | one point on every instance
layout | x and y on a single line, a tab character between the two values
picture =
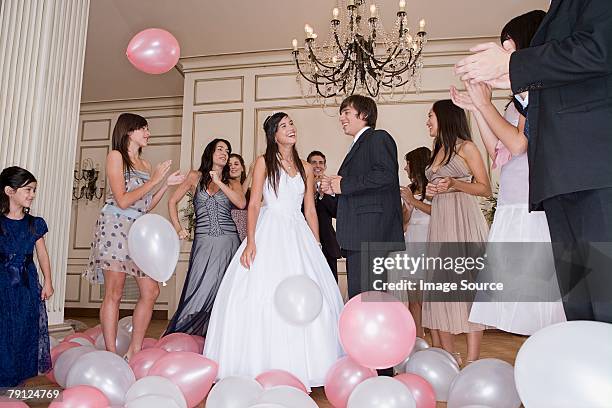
216	238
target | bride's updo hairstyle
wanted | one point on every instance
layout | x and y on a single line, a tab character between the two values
272	156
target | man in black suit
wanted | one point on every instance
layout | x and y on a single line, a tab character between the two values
326	206
367	187
568	73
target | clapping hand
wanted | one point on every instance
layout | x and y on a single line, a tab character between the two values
326	185
444	185
489	62
175	179
462	99
214	176
160	171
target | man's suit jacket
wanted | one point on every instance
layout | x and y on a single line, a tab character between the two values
568	73
327	208
369	206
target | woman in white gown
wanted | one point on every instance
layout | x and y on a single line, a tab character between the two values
505	139
246	334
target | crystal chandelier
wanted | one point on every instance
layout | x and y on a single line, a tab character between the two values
358	59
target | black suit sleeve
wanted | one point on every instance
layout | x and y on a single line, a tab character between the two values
585	54
383	172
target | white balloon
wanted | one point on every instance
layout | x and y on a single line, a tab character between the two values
381	392
566	365
285	395
154	246
486	382
66	360
298	299
419	344
122	342
152	401
234	392
53	341
104	370
126	323
436	369
445	353
158	386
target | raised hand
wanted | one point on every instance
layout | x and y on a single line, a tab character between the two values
160	171
491	61
326	185
175	178
462	99
215	177
480	93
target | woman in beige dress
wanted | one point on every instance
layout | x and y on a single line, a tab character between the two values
456	175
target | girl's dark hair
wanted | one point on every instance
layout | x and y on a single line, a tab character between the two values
521	29
13	177
418	159
206	164
127	123
271	156
452	125
241	160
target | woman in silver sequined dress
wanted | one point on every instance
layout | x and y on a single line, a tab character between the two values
216	237
135	189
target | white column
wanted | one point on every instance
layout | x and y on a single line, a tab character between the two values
42	44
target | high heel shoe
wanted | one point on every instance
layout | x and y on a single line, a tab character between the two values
458	359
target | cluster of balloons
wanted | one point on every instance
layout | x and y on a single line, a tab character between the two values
271	389
169	372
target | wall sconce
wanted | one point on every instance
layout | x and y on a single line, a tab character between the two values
86	184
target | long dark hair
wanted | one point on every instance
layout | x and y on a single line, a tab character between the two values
271	156
241	160
418	159
521	29
13	177
452	125
127	123
206	164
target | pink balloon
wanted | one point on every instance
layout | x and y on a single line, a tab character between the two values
200	340
79	336
148	343
376	330
342	378
272	378
178	342
153	51
142	361
94	332
421	390
81	396
55	353
191	372
6	402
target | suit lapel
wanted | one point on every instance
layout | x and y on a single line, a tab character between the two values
540	35
351	153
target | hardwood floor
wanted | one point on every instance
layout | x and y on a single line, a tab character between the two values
495	344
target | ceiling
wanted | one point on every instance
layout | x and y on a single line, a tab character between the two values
205	27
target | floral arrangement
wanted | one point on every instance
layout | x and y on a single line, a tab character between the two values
188	214
489	206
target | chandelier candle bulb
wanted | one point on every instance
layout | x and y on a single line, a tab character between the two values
402	5
373	10
422	25
351	2
335	13
295	44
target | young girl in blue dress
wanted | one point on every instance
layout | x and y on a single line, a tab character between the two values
24	335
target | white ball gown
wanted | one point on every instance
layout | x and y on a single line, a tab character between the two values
514	223
246	334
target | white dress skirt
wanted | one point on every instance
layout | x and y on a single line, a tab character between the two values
513	223
246	334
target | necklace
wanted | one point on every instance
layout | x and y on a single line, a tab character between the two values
287	162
